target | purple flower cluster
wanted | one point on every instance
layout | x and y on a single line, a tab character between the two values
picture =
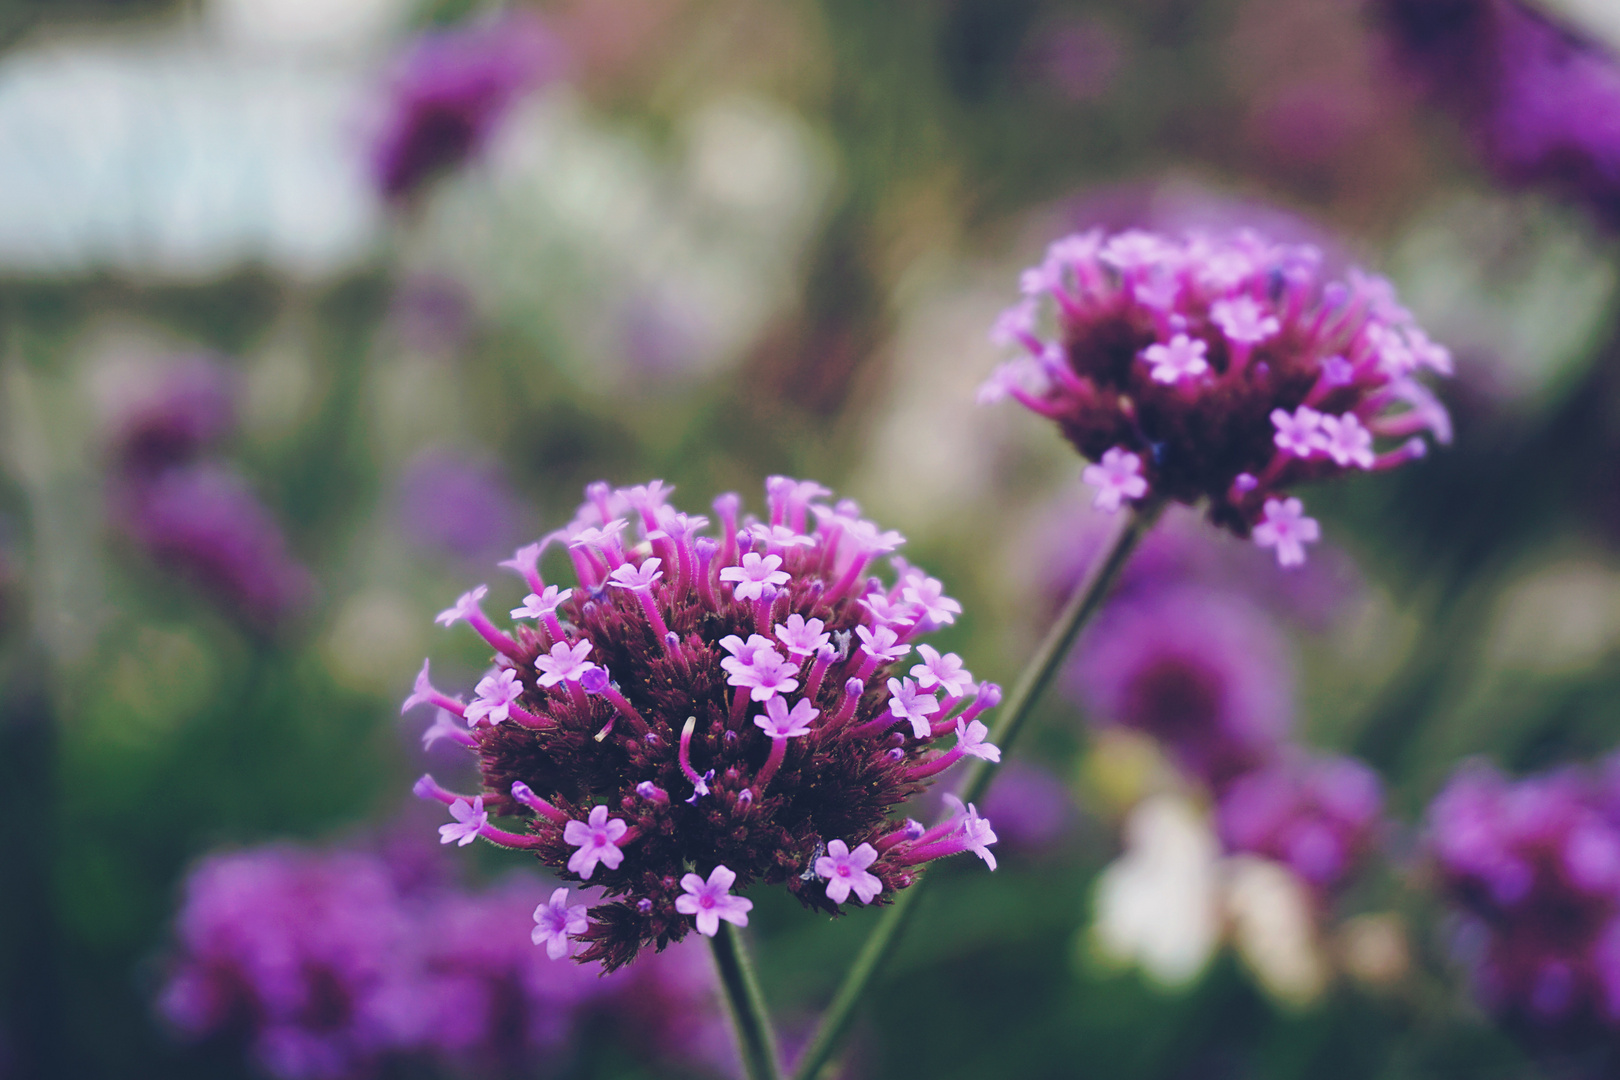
751	706
1534	867
1219	369
1318	816
188	509
326	964
451	90
1182	655
1202	671
1541	103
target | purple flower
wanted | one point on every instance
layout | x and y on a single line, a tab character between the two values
1275	338
1182	358
494	697
1286	528
184	411
539	605
1203	672
845	871
754	574
944	671
1540	102
598	840
882	644
970	740
555	922
1533	866
564	663
470	820
1032	808
913	705
710	901
636	578
779	723
205	522
801	636
761	670
309	956
1319	817
674	746
1117	477
450	91
928	595
1300	433
335	965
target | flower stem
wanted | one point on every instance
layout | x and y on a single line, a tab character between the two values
756	1042
1032	683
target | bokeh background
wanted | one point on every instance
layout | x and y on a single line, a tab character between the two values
277	384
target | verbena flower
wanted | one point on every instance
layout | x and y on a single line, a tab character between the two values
1540	102
308	956
204	521
186	508
1319	817
1216	369
451	90
700	713
188	408
1534	866
330	964
1202	671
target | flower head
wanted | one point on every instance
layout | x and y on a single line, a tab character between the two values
450	91
1537	98
1205	673
1318	817
1533	868
350	963
750	714
1255	375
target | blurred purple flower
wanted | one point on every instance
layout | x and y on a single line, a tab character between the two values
327	964
1218	372
304	955
458	505
1534	866
451	90
1202	671
1318	816
1032	809
1541	103
187	408
205	521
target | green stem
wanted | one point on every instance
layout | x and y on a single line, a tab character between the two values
756	1042
1015	710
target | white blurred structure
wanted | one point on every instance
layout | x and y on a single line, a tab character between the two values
193	147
